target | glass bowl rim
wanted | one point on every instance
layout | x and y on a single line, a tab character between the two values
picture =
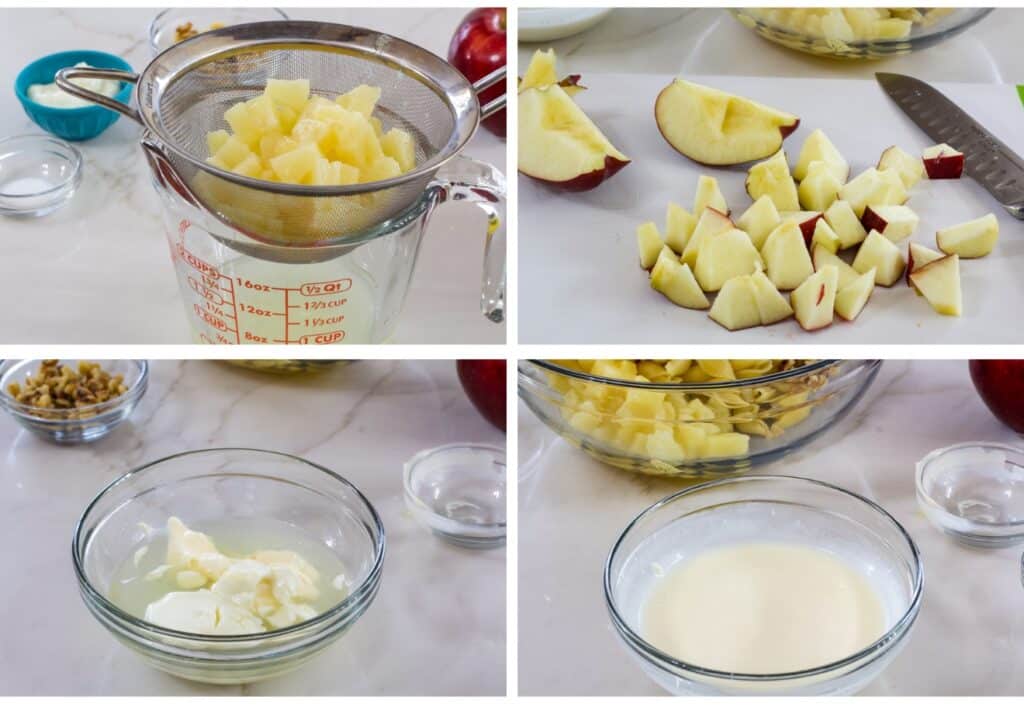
31	411
36	141
410	465
155	25
354	597
876	648
927	499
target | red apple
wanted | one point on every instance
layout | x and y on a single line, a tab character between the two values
478	47
1001	386
484	383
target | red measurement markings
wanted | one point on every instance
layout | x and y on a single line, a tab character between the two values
312	289
327	337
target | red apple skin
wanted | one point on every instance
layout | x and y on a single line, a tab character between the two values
807	229
872	221
588	181
1000	383
484	383
478	47
945	167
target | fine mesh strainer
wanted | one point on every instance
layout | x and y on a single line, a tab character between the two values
183	94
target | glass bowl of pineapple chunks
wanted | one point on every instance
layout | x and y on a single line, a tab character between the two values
858	32
692	418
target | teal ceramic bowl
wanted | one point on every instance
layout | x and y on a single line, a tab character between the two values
70	123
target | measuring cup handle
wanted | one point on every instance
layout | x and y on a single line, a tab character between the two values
64	76
465	179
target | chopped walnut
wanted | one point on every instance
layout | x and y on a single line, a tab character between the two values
66	390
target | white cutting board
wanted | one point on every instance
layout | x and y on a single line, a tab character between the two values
579	276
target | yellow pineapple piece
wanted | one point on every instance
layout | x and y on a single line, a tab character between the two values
729	444
361	99
293	94
251	166
398	144
252	119
382	168
295	167
216	140
231	152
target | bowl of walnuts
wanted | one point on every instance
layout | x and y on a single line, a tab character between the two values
71	402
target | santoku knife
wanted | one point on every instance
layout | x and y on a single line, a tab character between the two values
990	162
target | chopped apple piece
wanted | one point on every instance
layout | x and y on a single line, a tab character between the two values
880	253
820	187
943	162
896	192
844	222
806	220
786	258
716	128
649	243
675	280
973	239
910	168
723	257
772	305
917	257
893	222
759	220
772	178
735	306
679	225
815	300
825	237
939	282
850	300
817	147
823	258
541	73
560	145
711	222
708	194
868	187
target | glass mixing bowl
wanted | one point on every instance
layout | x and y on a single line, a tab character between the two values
748	509
782	26
218	485
778	413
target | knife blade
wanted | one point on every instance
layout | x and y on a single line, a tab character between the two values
987	159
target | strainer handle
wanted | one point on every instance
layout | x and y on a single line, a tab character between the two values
64	77
466	179
492	79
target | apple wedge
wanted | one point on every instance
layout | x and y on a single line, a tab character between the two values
917	257
880	253
943	162
735	306
910	168
725	256
893	222
973	239
825	237
822	258
711	222
820	187
818	148
717	128
559	145
772	178
675	280
786	258
649	243
806	220
759	220
772	305
939	282
815	300
844	222
679	225
708	195
850	300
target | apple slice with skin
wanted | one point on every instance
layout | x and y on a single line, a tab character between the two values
822	258
725	256
939	282
893	222
711	222
772	305
786	258
675	280
649	243
772	178
825	237
679	225
735	306
759	220
541	73
717	128
814	301
819	188
917	257
806	220
559	145
910	168
943	162
818	148
850	300
708	195
880	253
844	222
973	239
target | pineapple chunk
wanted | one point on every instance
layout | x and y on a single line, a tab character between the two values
361	99
296	166
293	94
398	145
251	166
252	119
231	152
216	140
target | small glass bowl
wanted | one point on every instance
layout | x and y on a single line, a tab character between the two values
38	175
458	492
73	426
764	509
162	28
974	492
213	486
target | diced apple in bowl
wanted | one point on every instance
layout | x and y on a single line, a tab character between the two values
943	162
973	239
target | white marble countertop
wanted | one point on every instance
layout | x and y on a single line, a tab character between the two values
709	42
967	639
98	270
438	624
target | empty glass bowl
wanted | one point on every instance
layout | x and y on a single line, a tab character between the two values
38	175
458	492
769	509
218	486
